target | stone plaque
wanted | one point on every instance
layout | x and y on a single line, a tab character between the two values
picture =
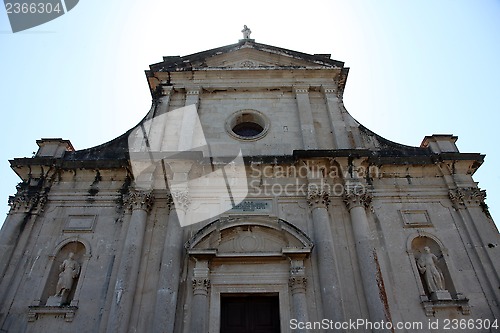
80	223
416	218
253	207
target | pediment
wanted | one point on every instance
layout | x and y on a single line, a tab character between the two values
246	54
252	58
237	237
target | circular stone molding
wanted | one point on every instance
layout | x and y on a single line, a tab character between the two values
247	125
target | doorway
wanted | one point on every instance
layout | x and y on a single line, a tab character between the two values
250	313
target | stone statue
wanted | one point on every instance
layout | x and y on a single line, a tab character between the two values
69	272
427	265
246	32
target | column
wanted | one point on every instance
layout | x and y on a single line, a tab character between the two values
305	117
170	269
126	280
356	199
331	295
337	123
199	307
298	283
22	207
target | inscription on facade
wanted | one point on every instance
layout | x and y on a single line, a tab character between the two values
253	206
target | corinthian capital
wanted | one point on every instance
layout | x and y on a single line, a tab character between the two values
181	199
27	201
357	196
200	286
467	196
317	196
140	200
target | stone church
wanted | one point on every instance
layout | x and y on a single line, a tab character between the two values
249	200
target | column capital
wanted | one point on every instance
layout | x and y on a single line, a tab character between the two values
301	89
140	200
317	196
298	284
200	286
25	201
467	196
166	90
328	90
193	90
357	197
181	199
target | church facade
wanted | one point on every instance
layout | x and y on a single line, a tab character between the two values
249	200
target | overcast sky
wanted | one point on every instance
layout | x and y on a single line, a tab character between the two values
416	67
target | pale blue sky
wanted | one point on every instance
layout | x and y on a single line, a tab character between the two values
417	67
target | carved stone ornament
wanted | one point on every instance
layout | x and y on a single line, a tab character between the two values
140	200
467	196
24	201
181	198
317	196
297	283
201	285
357	197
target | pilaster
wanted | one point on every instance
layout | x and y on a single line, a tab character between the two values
305	117
140	202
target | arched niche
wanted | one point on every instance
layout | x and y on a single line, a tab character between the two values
450	297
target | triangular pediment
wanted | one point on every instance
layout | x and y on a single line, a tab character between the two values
252	58
245	54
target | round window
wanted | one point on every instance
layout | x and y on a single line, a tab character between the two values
247	125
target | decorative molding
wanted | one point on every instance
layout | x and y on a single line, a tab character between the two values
467	196
317	196
140	200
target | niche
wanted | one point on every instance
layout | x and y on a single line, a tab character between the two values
433	270
64	275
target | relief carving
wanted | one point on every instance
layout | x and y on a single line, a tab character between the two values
471	196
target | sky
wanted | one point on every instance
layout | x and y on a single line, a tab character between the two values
417	68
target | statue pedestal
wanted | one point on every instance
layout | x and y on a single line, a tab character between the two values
54	301
441	295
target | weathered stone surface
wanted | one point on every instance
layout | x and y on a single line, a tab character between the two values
336	222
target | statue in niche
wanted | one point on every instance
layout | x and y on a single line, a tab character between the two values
69	271
427	265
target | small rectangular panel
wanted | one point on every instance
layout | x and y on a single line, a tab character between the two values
416	218
253	207
79	223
